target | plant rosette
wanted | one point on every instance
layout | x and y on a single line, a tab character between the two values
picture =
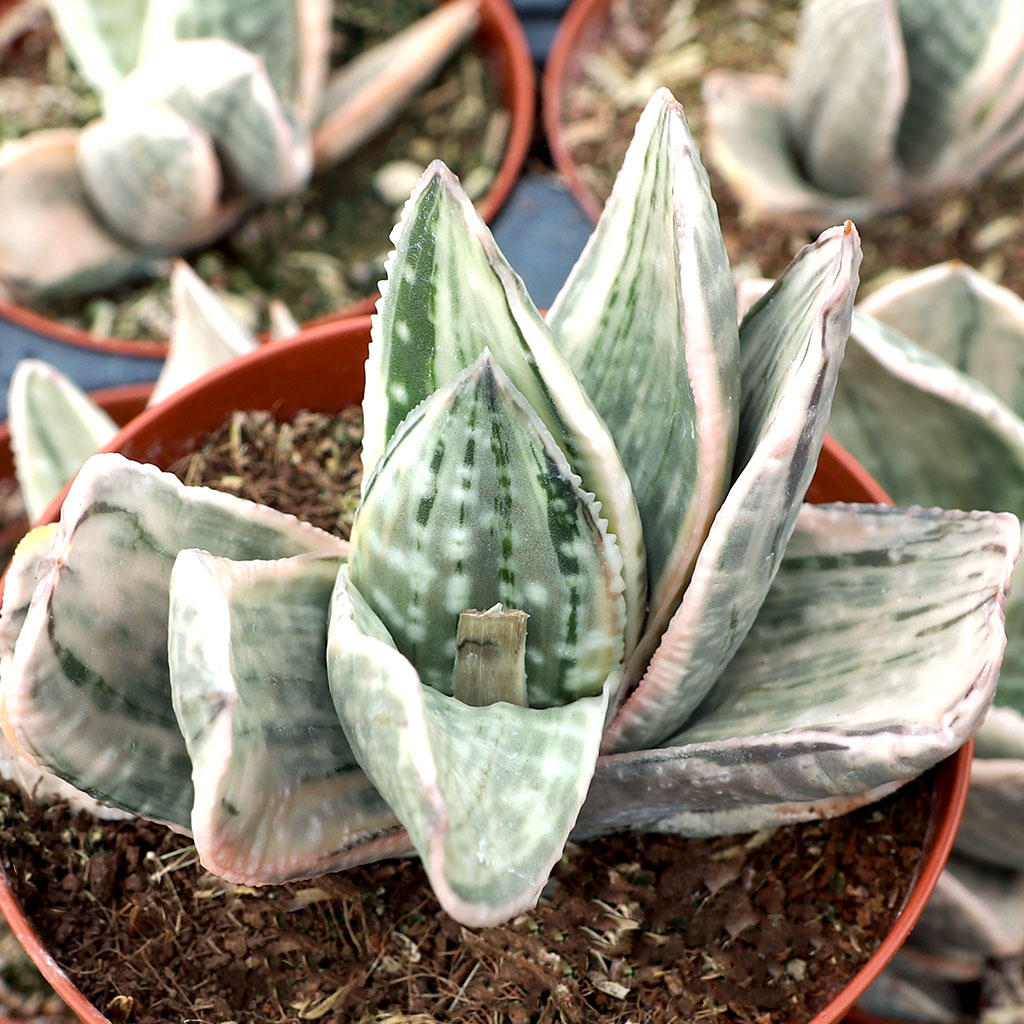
322	371
31	329
542	626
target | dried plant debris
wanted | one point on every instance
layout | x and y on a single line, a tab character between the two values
675	43
317	252
762	928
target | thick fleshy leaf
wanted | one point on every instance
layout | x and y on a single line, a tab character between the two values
749	143
847	88
647	319
488	794
961	316
290	37
874	656
278	792
204	334
791	344
473	505
932	435
369	92
104	37
87	692
223	89
908	990
152	175
55	426
41	197
449	295
945	41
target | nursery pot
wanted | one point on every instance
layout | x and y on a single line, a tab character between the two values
322	370
89	358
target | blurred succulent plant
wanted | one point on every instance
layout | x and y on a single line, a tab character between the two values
886	101
566	533
209	107
931	399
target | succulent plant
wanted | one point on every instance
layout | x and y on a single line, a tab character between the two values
885	101
209	107
580	564
931	399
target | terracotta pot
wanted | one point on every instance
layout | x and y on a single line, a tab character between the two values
322	370
25	333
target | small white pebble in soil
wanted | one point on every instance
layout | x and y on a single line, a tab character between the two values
396	179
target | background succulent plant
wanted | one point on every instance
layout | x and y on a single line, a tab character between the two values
207	109
627	476
931	399
885	101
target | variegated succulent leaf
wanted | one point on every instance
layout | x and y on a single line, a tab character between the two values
55	426
224	90
488	794
42	196
104	37
874	656
87	690
278	792
472	505
647	319
368	93
450	294
933	435
204	333
791	345
992	829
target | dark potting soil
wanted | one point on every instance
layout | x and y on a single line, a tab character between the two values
750	929
317	252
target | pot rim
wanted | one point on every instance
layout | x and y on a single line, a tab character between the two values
345	341
502	31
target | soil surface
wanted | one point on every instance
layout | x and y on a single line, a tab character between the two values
755	929
317	252
674	43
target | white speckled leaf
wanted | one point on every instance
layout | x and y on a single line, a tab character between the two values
204	334
875	656
647	318
224	90
55	426
367	93
791	344
278	792
449	295
87	693
291	38
932	435
41	196
104	37
473	505
847	88
488	794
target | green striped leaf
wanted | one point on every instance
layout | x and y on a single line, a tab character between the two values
104	37
488	794
88	692
874	656
847	89
473	505
932	435
449	295
55	426
791	344
278	792
647	319
223	90
945	42
204	334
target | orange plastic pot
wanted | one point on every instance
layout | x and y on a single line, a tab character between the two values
322	370
511	66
